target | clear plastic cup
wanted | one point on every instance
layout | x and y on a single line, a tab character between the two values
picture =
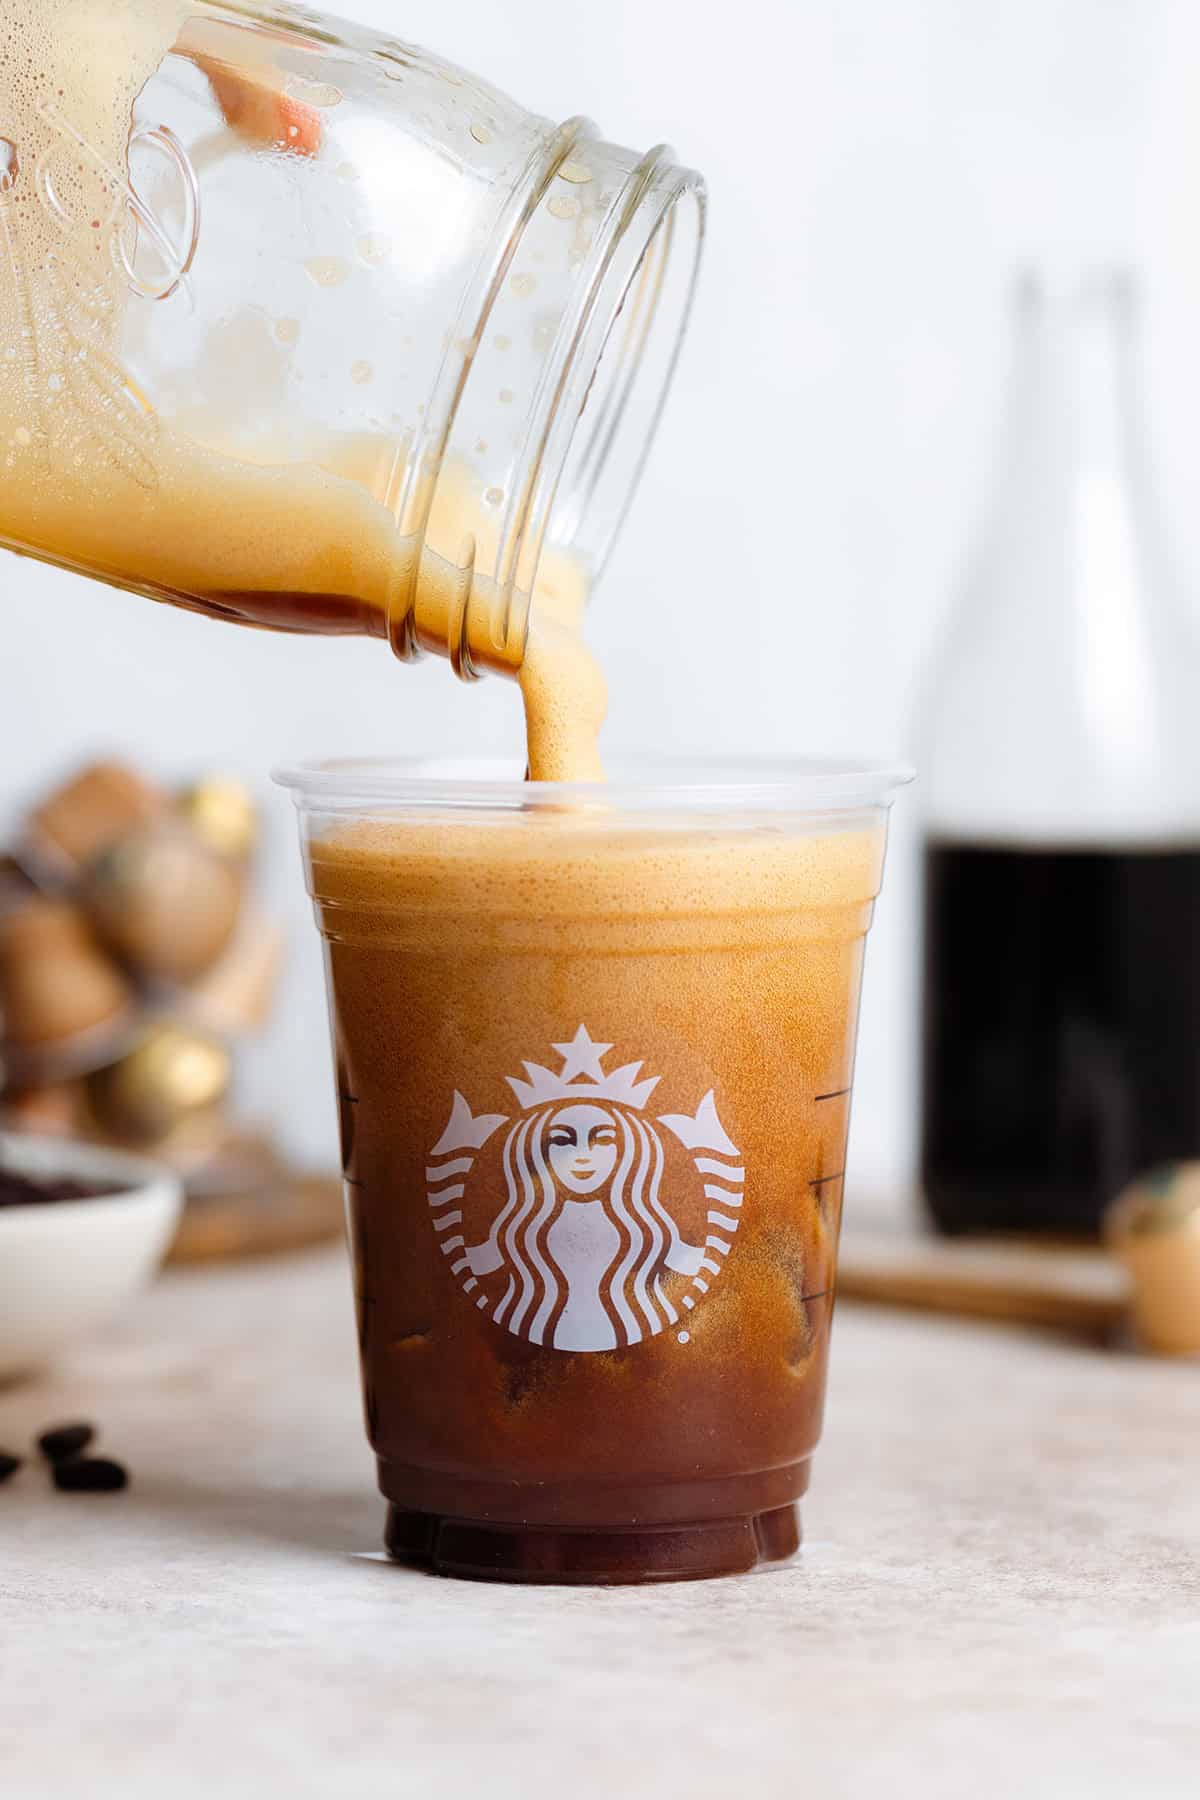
594	1054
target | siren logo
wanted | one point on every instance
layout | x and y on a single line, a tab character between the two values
587	1225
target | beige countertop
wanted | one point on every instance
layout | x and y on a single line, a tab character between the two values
999	1595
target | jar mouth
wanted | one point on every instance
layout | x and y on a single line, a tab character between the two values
746	787
626	355
591	271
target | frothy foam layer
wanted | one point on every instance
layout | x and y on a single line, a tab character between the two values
545	878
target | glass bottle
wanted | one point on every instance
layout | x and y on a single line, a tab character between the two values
1061	763
303	327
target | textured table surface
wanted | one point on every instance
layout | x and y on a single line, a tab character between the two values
1000	1593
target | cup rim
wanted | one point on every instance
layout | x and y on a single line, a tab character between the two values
651	783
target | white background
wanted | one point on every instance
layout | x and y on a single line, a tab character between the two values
876	170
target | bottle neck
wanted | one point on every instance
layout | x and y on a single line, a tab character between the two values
1074	413
554	378
1100	349
1063	709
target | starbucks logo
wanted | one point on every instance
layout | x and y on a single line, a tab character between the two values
579	1223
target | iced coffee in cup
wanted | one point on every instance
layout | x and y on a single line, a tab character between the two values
594	1053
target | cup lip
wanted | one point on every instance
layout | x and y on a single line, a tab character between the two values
650	783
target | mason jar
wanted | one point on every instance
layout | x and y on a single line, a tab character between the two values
312	330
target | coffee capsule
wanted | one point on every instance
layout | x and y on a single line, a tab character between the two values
164	903
194	1145
60	996
222	813
236	995
170	1076
52	1108
15	884
242	1161
1154	1228
83	818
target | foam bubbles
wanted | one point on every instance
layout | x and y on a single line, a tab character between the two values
328	271
314	93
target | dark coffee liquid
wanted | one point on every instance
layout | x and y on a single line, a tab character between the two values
20	1189
532	1421
1061	1030
329	615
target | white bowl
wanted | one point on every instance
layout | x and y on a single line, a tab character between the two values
67	1266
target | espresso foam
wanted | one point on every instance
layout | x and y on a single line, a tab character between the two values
566	700
546	878
95	479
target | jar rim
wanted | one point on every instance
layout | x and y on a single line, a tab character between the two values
645	784
593	411
623	365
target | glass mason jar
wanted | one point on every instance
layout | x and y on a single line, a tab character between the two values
306	328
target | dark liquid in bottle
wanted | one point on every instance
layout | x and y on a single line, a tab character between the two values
1061	1030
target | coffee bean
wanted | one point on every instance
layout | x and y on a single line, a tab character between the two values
65	1441
24	1190
89	1475
8	1465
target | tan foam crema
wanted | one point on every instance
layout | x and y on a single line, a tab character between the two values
93	478
572	880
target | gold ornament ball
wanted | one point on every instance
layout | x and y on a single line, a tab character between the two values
222	813
1154	1228
172	1075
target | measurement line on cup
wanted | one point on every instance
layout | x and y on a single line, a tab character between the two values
822	1179
350	1099
834	1094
